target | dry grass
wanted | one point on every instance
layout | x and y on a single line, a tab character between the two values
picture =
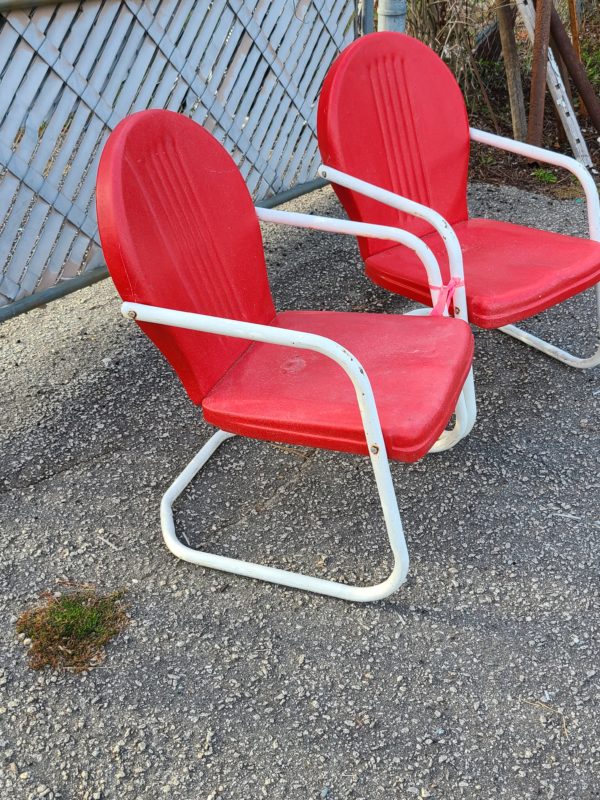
69	630
450	27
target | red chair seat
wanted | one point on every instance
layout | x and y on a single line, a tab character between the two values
417	367
511	272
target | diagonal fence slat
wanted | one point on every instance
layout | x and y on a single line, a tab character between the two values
249	71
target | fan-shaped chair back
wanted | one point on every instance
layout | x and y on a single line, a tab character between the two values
179	230
391	113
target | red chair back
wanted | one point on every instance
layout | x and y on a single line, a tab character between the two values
391	113
179	230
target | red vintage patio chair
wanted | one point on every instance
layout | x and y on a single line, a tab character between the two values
394	139
183	245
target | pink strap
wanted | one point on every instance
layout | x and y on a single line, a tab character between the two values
446	295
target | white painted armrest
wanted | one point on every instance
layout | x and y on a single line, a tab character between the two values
280	336
407	206
555	159
365	229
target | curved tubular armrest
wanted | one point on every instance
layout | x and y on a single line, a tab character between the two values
557	160
280	336
435	219
365	229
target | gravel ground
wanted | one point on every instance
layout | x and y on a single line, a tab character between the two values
478	679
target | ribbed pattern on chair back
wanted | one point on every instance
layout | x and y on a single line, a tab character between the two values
179	230
391	113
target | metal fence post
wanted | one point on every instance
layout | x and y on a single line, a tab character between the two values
367	24
391	15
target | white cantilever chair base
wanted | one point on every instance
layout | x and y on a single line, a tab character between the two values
552	350
295	580
448	439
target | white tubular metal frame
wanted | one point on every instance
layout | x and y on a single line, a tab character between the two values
373	434
436	220
593	211
466	409
365	229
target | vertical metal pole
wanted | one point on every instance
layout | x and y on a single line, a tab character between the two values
391	15
576	45
368	24
538	71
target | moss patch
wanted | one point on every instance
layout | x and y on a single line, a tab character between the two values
69	631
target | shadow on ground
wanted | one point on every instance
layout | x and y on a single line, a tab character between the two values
478	679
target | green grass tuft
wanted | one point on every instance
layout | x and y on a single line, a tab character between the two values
544	175
71	630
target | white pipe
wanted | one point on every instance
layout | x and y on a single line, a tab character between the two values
373	434
366	229
557	160
465	421
407	206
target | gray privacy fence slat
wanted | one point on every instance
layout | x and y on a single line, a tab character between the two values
250	72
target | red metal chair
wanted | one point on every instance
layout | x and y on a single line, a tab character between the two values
394	138
183	244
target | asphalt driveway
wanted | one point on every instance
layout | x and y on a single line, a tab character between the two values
478	679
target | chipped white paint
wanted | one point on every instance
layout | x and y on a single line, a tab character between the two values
250	72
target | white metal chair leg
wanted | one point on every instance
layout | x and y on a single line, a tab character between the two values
533	341
420	311
466	413
466	408
295	580
554	351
